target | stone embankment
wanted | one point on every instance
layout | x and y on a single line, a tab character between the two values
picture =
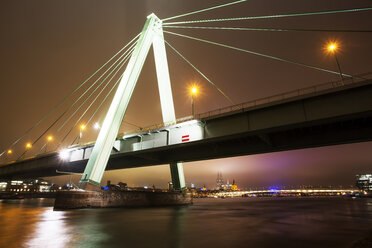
107	199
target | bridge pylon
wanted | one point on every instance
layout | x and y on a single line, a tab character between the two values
152	34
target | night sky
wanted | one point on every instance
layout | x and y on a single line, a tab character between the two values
49	47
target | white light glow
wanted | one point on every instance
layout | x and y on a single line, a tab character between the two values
96	126
64	154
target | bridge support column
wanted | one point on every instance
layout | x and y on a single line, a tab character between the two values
152	34
178	178
102	149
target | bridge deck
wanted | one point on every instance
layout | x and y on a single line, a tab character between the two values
333	116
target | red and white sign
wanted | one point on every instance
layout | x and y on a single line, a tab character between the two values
185	138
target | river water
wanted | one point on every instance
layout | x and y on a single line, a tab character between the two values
237	222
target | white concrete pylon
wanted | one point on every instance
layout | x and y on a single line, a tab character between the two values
152	33
162	72
178	178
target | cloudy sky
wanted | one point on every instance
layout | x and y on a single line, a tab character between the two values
49	47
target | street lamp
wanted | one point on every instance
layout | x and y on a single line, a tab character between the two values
28	145
332	48
49	139
96	126
82	128
9	152
194	91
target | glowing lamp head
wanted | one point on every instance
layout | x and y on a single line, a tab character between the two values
28	145
9	151
194	90
64	154
332	47
82	127
97	126
50	138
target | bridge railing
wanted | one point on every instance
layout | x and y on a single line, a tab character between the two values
261	101
286	95
156	126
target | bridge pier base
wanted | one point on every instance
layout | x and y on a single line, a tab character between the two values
89	186
110	199
178	178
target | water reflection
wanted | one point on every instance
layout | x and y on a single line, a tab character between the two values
16	223
176	227
217	223
50	230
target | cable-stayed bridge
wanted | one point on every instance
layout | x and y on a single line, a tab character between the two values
334	116
337	115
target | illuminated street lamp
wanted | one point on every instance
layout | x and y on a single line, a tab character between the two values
194	92
96	126
9	152
332	48
82	128
28	145
64	154
49	139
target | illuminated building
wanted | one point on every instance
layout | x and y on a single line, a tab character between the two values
36	185
219	181
234	186
364	182
227	186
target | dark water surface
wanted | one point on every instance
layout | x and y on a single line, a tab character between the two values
239	222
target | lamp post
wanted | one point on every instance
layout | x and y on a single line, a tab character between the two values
97	126
194	91
332	49
28	145
49	139
82	128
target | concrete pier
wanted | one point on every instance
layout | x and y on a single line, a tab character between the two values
107	199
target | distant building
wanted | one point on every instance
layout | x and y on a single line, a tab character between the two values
364	182
227	186
234	186
35	185
219	181
115	187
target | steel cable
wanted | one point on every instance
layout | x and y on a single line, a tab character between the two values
65	98
203	10
271	29
259	54
271	16
223	93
